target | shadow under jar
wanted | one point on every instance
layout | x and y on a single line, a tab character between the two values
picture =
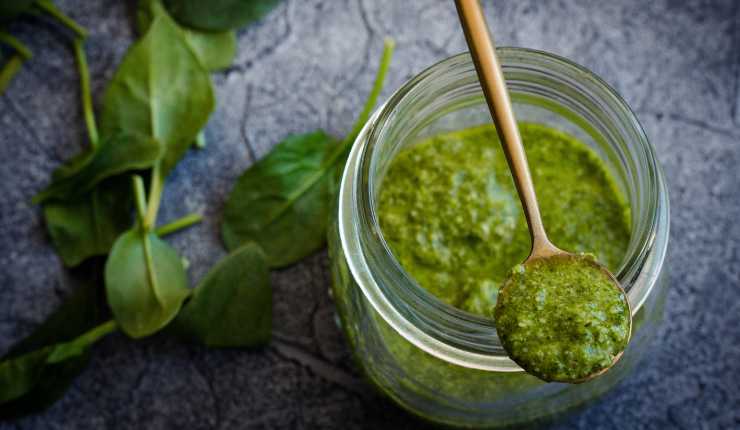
444	364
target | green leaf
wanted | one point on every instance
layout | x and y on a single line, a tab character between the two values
80	312
88	226
29	380
119	153
161	90
215	50
19	375
282	202
232	305
145	282
219	15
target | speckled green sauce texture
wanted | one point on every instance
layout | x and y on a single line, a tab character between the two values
449	211
562	318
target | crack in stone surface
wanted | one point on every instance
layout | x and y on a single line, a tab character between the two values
321	368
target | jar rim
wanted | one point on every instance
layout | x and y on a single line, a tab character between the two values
373	264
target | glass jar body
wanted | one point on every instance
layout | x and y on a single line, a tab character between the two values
411	348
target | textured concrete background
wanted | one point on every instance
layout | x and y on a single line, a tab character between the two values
309	64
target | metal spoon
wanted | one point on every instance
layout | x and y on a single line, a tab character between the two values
494	87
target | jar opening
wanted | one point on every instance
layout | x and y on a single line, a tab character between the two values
545	84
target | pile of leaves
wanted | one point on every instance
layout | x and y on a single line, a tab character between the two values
101	206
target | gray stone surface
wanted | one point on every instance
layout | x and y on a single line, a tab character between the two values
309	64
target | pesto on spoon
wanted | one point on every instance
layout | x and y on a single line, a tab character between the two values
560	316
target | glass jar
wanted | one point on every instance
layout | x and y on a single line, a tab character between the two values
441	363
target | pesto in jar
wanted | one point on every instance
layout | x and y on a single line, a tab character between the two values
449	211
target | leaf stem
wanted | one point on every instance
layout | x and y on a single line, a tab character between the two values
96	333
85	93
179	224
85	339
155	196
16	44
385	61
149	260
13	65
49	7
11	68
140	198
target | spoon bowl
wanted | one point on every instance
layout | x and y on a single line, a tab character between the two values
563	318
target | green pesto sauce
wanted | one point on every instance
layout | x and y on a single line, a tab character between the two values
561	318
449	211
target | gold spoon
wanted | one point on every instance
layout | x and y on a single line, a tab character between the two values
497	96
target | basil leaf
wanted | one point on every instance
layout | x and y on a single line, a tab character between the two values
215	50
219	15
88	226
119	153
145	282
232	305
282	202
161	90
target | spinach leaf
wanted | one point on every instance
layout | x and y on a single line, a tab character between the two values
161	90
121	152
32	381
18	375
219	15
232	305
80	312
21	374
88	226
145	282
215	50
282	202
50	384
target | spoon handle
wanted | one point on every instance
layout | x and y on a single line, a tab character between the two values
494	87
